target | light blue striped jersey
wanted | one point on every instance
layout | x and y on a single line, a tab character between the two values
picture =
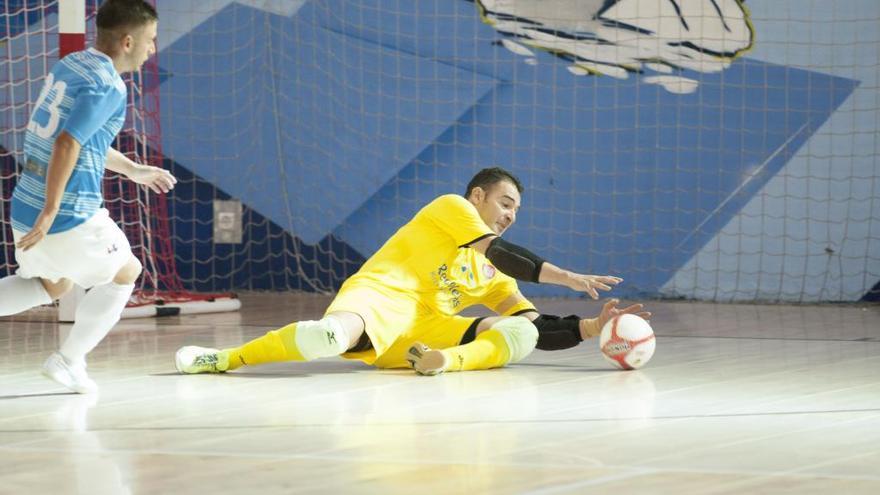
85	96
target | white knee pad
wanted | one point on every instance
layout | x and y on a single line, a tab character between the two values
520	334
323	338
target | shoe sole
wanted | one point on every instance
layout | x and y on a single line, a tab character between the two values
179	364
432	363
426	361
69	385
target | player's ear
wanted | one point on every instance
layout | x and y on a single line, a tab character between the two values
478	194
127	41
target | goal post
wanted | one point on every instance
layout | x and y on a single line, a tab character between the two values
38	33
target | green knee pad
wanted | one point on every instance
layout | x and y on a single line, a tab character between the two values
324	338
520	334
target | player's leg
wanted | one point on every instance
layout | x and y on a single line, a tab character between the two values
97	313
19	294
499	341
32	284
95	255
330	336
99	310
56	289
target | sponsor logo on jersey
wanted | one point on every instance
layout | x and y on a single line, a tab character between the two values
445	283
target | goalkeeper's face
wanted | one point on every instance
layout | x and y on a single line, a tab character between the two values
498	205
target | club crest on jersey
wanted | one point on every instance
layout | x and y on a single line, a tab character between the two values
488	270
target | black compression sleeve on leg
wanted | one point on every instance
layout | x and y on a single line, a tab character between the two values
514	261
556	333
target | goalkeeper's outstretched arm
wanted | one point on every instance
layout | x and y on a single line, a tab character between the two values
521	264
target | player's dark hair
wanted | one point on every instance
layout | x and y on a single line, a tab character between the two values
488	177
114	15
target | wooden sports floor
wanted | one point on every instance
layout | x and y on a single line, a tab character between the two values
738	399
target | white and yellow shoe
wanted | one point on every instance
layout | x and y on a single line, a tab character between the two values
193	359
426	361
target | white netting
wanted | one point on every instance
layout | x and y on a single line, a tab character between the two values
707	149
31	48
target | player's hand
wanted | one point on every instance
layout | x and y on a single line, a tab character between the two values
157	179
39	231
592	284
610	310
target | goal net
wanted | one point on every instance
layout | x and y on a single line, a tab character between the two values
701	149
30	45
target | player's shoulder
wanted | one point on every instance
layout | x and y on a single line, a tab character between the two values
90	68
450	201
447	205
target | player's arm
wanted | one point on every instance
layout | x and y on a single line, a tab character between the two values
65	152
157	179
458	218
556	332
521	264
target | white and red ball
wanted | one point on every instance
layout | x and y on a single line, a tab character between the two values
627	341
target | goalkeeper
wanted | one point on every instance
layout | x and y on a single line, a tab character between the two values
401	308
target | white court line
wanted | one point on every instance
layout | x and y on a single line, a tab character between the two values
374	459
567	487
649	419
715	447
798	472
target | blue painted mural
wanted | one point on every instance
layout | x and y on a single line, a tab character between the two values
641	129
360	112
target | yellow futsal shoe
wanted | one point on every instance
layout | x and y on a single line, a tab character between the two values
193	359
426	361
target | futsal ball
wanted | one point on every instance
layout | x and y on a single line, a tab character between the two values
627	341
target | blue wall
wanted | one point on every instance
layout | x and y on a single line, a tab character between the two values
334	121
341	120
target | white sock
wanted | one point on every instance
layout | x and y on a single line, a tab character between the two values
19	294
96	314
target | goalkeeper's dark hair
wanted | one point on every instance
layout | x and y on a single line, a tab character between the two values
116	15
488	177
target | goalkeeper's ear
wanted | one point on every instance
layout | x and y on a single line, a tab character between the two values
477	195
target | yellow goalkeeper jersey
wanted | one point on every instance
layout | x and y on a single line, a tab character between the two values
425	260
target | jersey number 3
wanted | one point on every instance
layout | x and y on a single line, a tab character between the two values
59	87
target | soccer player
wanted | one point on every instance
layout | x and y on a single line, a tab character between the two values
401	308
62	234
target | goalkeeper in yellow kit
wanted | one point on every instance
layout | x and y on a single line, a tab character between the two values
401	308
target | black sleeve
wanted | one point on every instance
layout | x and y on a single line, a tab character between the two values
556	333
514	261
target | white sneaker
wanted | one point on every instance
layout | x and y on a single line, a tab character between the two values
193	359
426	361
72	376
